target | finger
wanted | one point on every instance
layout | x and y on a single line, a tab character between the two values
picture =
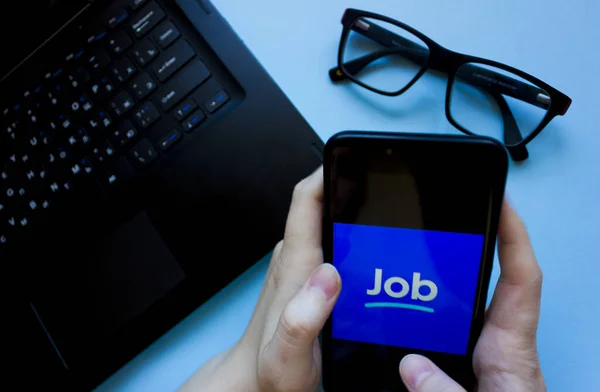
517	260
256	325
303	227
289	356
419	374
515	305
301	252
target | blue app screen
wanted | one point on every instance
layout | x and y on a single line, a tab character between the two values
405	287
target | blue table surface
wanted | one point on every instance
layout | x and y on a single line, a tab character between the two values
557	191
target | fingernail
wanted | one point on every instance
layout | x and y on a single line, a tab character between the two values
325	279
414	369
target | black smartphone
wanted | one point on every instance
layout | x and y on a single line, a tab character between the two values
410	222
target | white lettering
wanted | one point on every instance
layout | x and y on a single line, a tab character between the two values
377	284
405	287
166	34
417	283
167	97
167	64
396	294
138	26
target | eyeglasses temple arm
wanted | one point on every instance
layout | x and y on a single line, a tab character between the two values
504	85
512	134
475	75
355	66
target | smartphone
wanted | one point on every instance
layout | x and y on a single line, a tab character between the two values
410	222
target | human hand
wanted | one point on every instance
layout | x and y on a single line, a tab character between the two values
279	351
506	357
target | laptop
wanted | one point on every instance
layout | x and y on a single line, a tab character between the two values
147	160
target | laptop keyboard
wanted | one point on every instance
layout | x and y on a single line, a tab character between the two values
83	124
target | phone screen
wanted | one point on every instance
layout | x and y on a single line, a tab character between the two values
410	232
416	291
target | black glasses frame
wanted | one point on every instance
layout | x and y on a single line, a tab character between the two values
449	62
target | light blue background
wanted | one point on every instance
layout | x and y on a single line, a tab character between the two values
451	261
557	191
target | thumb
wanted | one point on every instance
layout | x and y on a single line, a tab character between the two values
419	374
288	360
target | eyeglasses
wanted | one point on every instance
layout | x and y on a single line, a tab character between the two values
483	97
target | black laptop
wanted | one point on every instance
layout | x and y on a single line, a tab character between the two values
147	160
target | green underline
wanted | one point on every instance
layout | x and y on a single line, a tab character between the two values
397	305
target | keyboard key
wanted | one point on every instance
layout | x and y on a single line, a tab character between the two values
143	85
122	103
82	136
135	4
116	175
54	187
34	141
124	70
82	103
100	120
63	153
86	166
103	152
55	73
43	173
72	140
44	138
185	108
12	221
114	16
143	153
119	42
78	77
24	221
25	158
85	102
51	158
96	35
75	55
98	61
146	19
33	205
146	115
31	175
63	122
169	139
54	98
67	186
193	120
145	52
102	90
166	34
217	101
124	134
182	84
76	170
172	60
